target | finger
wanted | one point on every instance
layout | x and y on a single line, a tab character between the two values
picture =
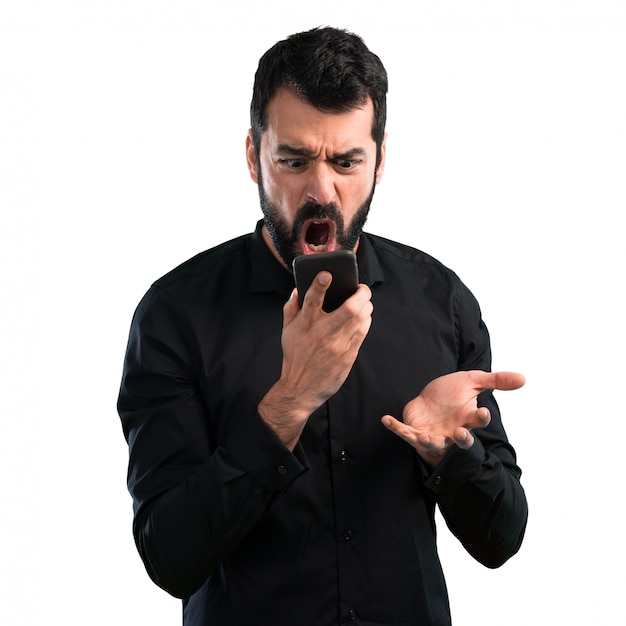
483	416
362	293
354	316
400	429
359	312
504	381
357	304
391	423
479	418
291	308
420	441
436	443
463	438
314	297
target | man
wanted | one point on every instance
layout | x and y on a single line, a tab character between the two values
285	462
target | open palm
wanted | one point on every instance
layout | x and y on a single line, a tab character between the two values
446	410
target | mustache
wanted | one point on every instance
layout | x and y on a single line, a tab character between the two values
313	210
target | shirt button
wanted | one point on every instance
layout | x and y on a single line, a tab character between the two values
282	470
347	534
351	614
438	480
343	455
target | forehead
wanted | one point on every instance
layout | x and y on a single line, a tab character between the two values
293	121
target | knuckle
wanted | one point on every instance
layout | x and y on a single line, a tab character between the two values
351	307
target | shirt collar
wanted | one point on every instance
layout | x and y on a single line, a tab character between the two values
370	270
267	274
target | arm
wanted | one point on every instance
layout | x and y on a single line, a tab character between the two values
454	424
480	495
200	482
319	350
196	493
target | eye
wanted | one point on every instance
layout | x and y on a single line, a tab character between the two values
293	164
346	164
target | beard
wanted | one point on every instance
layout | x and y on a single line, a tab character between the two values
286	238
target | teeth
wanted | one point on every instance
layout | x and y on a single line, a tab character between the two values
318	248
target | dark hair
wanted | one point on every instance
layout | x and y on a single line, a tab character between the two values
331	69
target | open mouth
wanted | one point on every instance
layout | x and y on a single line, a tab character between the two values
318	236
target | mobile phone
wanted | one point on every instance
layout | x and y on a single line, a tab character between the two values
340	263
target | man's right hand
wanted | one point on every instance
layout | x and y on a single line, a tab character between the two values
319	350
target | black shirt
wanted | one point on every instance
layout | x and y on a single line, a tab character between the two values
342	529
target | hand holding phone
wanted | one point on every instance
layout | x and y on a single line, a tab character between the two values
340	263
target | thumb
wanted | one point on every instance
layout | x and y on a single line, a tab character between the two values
505	381
481	380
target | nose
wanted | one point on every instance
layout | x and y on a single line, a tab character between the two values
321	184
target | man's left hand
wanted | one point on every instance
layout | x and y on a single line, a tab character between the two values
446	411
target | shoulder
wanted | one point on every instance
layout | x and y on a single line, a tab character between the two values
202	278
398	257
407	270
399	250
206	265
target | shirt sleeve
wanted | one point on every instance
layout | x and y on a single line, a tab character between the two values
478	490
194	498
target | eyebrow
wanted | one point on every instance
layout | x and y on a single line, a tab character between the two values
284	148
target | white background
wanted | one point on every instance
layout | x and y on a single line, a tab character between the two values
122	127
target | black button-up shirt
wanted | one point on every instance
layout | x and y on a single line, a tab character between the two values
342	529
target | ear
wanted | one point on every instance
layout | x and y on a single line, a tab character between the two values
251	158
381	167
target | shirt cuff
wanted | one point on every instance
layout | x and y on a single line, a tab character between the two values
459	466
259	452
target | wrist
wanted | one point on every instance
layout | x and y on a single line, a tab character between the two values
281	410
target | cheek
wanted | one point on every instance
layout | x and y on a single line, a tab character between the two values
354	193
283	191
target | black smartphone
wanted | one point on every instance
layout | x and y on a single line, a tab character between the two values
340	263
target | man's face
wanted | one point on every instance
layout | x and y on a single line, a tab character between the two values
316	174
